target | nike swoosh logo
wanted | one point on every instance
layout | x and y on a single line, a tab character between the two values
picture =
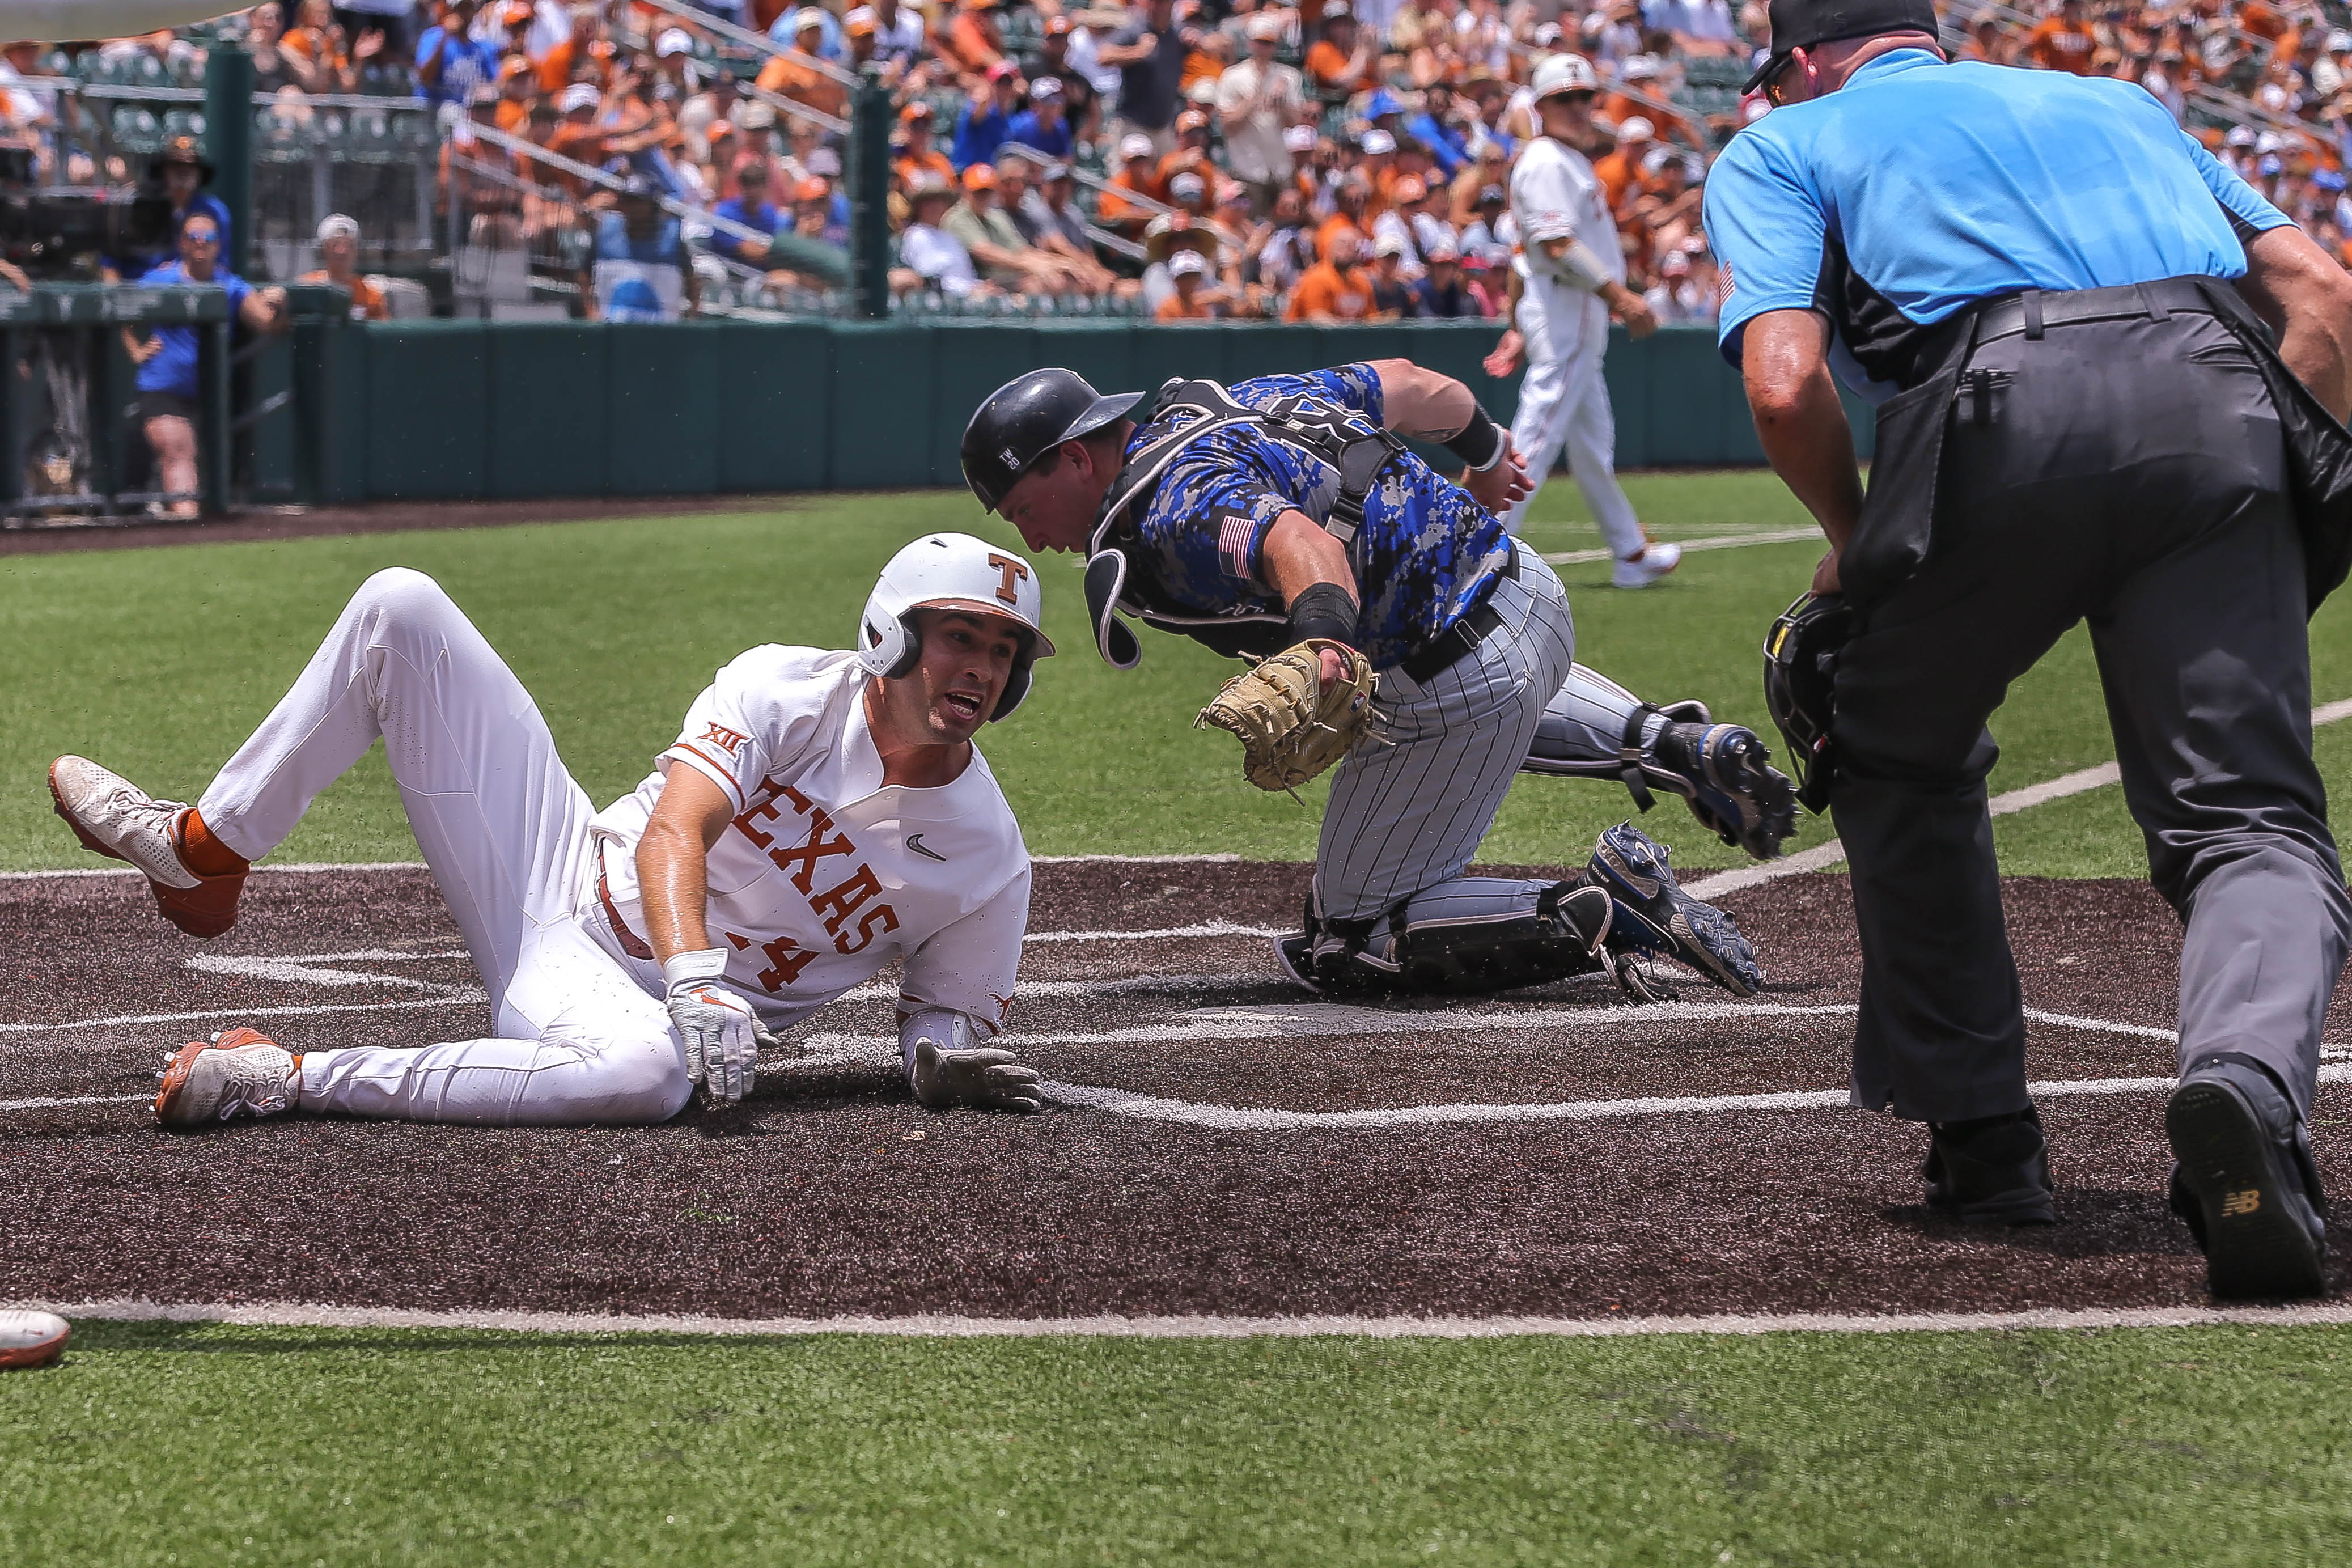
914	842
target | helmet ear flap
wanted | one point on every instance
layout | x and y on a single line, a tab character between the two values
910	649
1016	687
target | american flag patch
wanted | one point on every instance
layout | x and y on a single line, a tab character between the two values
1233	542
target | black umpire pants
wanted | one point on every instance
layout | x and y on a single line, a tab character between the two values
2132	473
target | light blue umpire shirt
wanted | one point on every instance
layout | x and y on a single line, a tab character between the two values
1921	188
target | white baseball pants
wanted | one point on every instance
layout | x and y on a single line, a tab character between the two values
1564	401
505	830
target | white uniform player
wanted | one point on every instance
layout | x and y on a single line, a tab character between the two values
821	816
1570	272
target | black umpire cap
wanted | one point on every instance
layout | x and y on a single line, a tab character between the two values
1807	24
1027	418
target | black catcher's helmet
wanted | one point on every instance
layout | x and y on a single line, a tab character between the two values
1027	418
1800	659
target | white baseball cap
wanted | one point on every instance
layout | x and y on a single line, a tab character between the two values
1187	263
1267	24
338	225
1564	73
674	41
2240	136
1640	68
579	95
1388	244
1044	88
1187	186
2338	41
1637	128
1300	138
1377	142
1134	145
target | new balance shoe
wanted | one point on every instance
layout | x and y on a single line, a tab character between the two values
2245	1183
1654	914
1646	565
237	1072
118	819
1725	772
1991	1171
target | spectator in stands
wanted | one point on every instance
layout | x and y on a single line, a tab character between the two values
973	42
166	359
989	236
1620	169
899	35
814	214
750	206
1149	54
2063	42
1258	99
1187	270
1334	289
1984	43
1441	293
801	76
1289	249
857	42
1081	104
1188	193
338	248
264	29
640	271
987	120
1488	237
517	90
1697	27
1135	175
1042	124
929	257
1396	224
186	174
1437	128
577	136
389	20
913	154
1391	289
1349	200
1340	62
450	62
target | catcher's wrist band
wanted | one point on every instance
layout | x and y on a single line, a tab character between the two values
1323	610
1478	443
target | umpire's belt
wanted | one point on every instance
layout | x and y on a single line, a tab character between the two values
2030	313
1438	654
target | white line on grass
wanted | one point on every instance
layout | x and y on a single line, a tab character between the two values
2002	805
1720	541
310	1315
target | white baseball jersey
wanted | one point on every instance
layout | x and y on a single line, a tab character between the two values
827	875
1554	195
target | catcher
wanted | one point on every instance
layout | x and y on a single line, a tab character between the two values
1400	631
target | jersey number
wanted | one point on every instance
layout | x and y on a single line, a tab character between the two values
786	959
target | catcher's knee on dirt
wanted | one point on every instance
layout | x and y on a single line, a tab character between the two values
1559	938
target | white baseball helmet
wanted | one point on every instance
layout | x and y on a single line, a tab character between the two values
1564	73
942	570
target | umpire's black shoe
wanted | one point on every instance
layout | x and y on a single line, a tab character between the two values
2245	1182
1991	1171
1654	915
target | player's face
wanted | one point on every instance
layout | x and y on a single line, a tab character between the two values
956	683
1054	507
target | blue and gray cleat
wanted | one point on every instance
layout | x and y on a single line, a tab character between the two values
1653	915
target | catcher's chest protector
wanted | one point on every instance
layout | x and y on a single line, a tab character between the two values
1351	445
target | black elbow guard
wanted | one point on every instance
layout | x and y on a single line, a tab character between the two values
1478	443
1323	610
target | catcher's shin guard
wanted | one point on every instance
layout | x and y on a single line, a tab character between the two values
1563	936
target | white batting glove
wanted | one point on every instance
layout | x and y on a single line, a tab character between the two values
720	1031
978	1075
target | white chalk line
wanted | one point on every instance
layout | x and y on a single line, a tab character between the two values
311	868
2006	803
310	1315
1718	541
457	999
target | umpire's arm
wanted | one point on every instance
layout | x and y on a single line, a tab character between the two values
1785	361
2305	296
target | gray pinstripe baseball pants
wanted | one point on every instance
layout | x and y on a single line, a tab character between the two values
1409	808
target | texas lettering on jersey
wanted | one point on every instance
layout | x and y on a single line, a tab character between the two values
835	905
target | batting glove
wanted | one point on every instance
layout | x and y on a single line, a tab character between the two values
977	1076
720	1031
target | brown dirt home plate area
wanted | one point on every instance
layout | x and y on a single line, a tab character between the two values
1216	1142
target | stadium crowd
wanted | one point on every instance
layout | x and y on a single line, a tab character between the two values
1186	159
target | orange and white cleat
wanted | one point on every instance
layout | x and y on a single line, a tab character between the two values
116	818
237	1072
32	1339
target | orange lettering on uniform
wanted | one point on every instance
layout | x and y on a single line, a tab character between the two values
1008	572
865	933
843	900
726	739
788	958
743	824
815	848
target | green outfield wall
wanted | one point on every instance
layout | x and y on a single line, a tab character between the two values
479	410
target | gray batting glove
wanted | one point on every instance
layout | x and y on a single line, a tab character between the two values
720	1032
978	1075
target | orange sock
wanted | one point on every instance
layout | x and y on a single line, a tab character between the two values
202	853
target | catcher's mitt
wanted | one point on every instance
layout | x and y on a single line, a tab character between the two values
1290	727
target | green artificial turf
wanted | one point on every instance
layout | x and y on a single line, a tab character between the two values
157	662
223	1446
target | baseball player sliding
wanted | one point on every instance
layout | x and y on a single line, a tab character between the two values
1284	518
820	815
1568	279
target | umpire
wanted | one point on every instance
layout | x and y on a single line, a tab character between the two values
2069	309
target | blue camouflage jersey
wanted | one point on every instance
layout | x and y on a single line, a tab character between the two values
1426	556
